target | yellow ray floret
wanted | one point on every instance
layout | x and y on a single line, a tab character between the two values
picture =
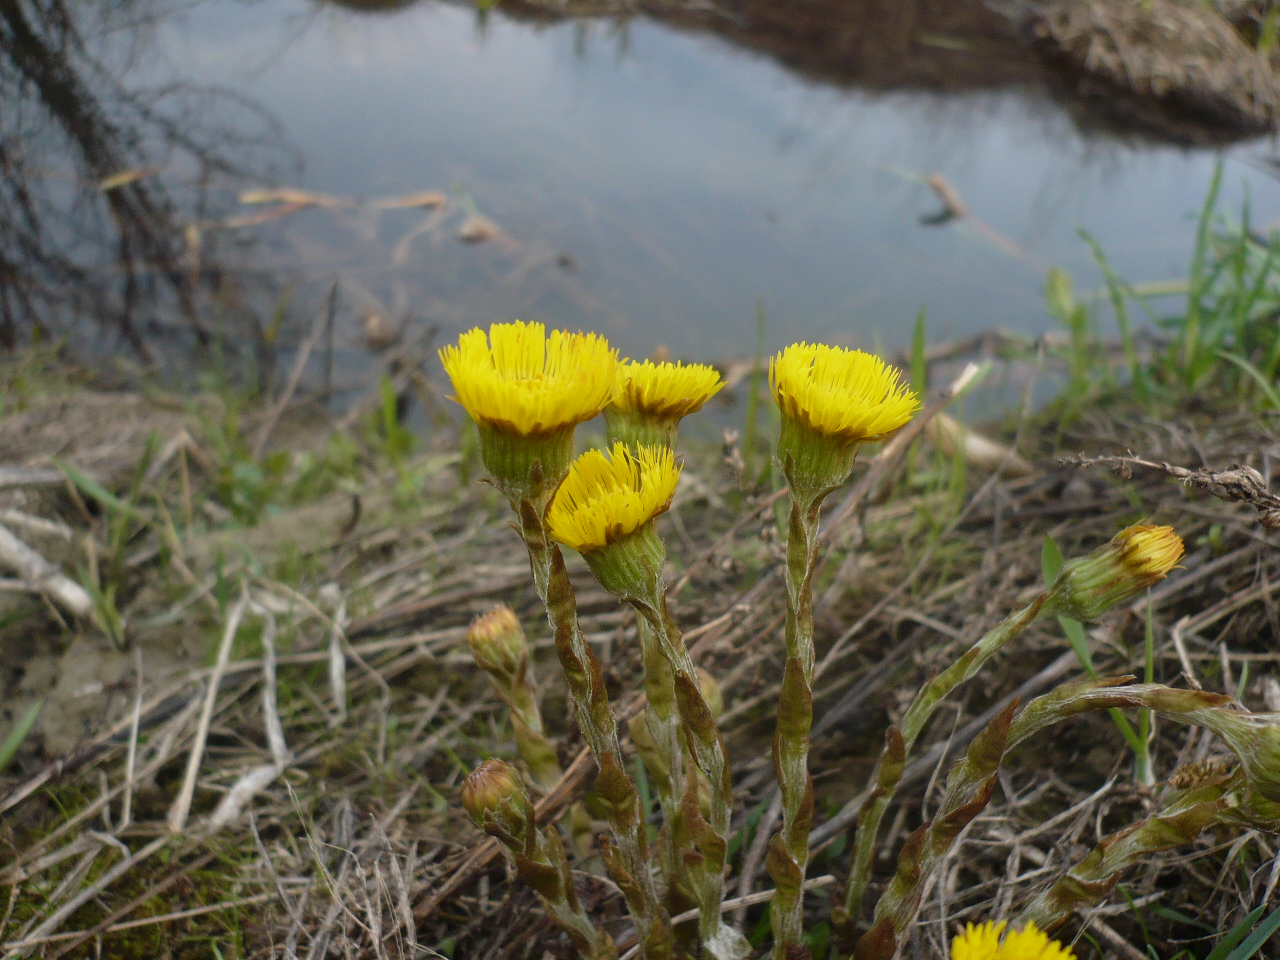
664	389
605	497
841	393
982	942
518	380
1149	552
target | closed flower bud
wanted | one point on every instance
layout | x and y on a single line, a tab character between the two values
1137	557
496	800
498	644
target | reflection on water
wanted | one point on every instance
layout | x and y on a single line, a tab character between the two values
88	229
651	180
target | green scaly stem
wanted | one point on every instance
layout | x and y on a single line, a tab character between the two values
888	770
788	855
600	729
663	722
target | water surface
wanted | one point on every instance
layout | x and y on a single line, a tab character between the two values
657	183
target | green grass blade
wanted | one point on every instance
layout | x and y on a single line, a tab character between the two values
1264	385
751	429
1198	281
919	362
1231	947
19	733
1233	936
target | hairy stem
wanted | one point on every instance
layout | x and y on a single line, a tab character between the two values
663	723
789	850
889	767
710	837
600	729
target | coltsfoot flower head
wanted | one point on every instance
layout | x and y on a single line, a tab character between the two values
517	379
605	507
1137	557
608	496
527	391
650	399
833	399
497	801
839	392
983	942
498	643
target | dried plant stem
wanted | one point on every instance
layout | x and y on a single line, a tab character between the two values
599	726
182	806
788	854
888	770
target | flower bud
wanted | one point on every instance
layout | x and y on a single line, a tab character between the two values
1137	557
498	644
496	800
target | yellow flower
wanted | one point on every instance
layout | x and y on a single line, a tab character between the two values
982	942
664	389
840	393
607	497
517	380
1149	552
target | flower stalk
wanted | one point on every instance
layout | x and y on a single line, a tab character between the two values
599	726
650	399
498	803
527	391
605	510
831	401
1086	588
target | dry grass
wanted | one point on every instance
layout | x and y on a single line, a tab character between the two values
326	707
1182	53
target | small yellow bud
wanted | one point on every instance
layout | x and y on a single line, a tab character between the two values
498	644
1137	557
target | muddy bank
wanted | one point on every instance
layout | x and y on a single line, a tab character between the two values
1172	71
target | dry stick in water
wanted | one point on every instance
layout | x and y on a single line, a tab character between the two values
182	806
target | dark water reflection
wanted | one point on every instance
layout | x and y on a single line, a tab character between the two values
655	182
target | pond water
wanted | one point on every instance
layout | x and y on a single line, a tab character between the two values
659	182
